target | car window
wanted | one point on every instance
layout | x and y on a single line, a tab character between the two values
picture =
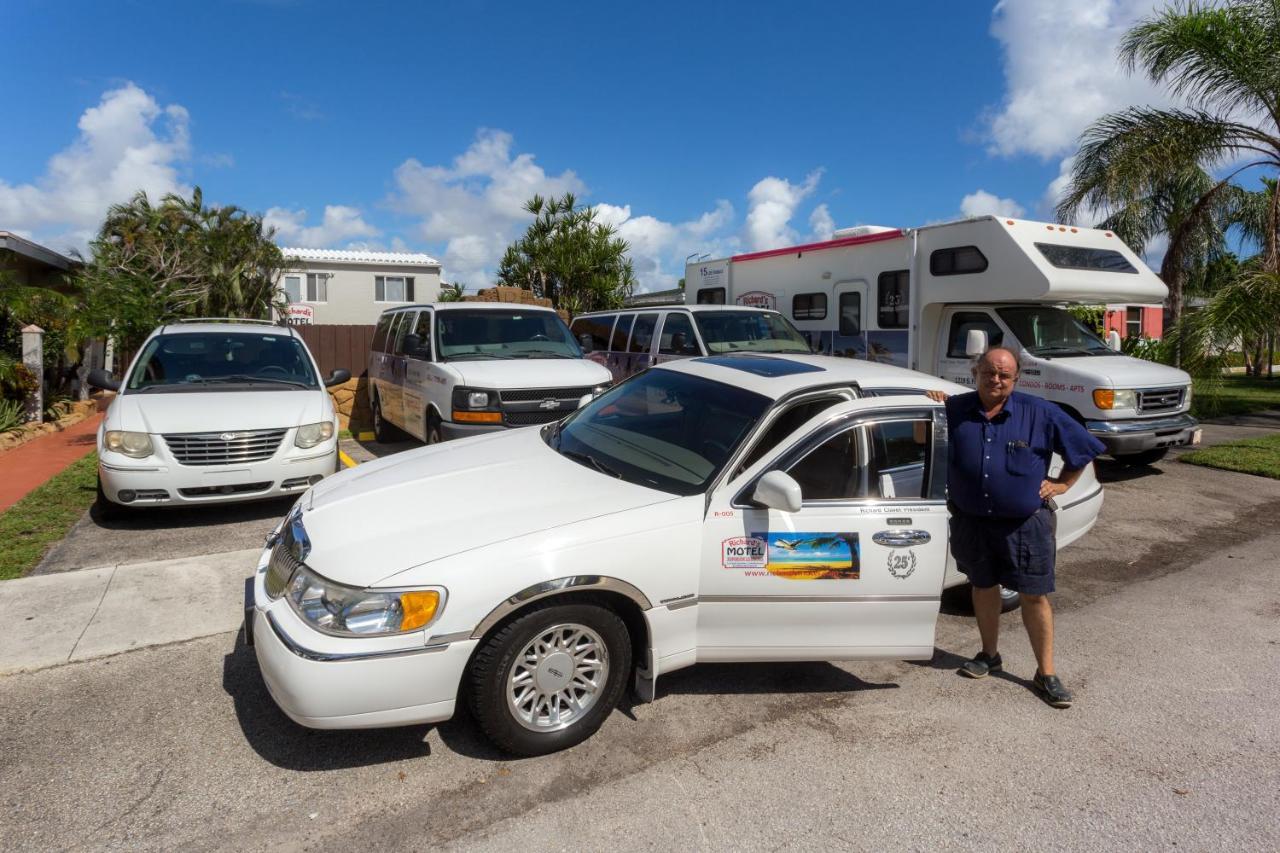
830	471
621	332
749	331
642	333
677	335
464	334
599	328
219	361
892	465
785	424
422	331
899	450
962	322
398	329
379	343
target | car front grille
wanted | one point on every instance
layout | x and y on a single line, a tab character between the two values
1160	400
519	419
532	406
524	395
228	489
224	448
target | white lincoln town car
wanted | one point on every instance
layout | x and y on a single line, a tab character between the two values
734	507
210	412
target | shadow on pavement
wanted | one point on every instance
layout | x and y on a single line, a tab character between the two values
1111	471
155	518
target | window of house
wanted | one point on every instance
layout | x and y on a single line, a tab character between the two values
392	288
893	306
293	288
851	313
677	335
809	306
962	322
711	296
959	260
317	287
1132	322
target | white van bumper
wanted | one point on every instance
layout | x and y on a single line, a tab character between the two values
1135	436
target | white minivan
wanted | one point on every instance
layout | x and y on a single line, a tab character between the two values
455	369
216	411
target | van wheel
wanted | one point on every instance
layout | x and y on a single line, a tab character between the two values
1146	457
435	434
383	431
106	509
547	679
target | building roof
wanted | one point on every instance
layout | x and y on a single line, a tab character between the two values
36	252
345	256
674	296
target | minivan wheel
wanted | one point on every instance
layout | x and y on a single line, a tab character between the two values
106	509
547	679
383	431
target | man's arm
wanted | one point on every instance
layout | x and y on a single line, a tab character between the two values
1059	485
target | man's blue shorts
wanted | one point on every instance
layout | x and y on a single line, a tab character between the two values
1016	553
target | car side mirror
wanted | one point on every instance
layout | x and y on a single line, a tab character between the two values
99	378
337	377
584	341
975	343
1113	340
778	490
410	344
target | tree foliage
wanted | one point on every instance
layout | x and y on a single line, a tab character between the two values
570	258
452	292
152	264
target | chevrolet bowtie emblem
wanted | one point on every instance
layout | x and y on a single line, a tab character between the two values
549	404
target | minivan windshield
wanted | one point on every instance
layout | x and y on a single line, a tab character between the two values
1048	331
748	331
465	335
222	361
662	429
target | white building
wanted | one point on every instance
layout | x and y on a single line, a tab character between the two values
352	287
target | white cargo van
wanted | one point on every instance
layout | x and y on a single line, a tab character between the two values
455	369
911	297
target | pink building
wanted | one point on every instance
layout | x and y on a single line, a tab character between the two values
1133	321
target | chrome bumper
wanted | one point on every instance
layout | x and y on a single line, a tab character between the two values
1135	436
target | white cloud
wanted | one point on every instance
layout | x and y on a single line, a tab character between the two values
771	204
658	248
127	143
1061	71
340	224
983	203
821	222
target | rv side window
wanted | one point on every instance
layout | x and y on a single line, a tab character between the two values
851	313
892	287
1081	258
379	343
962	322
960	260
621	332
711	296
809	306
677	335
642	334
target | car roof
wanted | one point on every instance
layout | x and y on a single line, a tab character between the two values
777	375
239	328
695	308
483	306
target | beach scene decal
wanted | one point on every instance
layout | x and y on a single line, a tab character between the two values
812	556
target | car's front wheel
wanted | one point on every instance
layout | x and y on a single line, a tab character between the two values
548	678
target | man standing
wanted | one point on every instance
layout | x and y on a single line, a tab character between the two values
1002	524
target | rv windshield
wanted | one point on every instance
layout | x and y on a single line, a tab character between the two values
1048	332
469	335
748	331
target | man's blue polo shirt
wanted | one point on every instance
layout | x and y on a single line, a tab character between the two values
997	465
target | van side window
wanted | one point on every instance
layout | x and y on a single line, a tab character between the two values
962	322
711	296
959	260
621	332
851	313
642	333
379	343
599	328
422	331
677	335
809	306
398	328
893	296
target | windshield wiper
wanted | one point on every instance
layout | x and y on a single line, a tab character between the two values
469	356
592	461
1048	352
245	377
539	353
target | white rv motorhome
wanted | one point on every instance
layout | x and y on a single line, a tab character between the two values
912	297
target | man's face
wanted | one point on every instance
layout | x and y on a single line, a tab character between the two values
996	375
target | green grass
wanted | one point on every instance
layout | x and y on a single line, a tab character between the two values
1234	395
1260	456
43	517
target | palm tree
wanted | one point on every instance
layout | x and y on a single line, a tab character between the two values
1150	165
452	292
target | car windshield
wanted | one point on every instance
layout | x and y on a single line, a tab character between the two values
222	361
748	331
662	429
465	335
1048	331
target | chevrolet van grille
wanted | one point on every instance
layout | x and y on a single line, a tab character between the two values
531	406
224	448
1160	400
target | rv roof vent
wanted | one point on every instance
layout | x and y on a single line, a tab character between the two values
859	231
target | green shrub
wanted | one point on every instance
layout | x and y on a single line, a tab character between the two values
10	415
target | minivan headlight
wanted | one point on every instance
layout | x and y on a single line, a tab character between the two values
134	444
346	611
310	435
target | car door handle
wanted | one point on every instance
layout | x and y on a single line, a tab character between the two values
901	538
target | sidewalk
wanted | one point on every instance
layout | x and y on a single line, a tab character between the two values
32	464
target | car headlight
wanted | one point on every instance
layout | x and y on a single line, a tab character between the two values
345	611
1108	398
600	389
310	435
135	444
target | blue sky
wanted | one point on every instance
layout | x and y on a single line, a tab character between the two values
693	127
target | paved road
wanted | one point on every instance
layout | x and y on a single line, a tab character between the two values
1169	633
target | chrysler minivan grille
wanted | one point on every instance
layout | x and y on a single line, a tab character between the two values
1162	400
224	448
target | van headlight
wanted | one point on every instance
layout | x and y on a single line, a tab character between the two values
310	435
1109	398
346	611
134	444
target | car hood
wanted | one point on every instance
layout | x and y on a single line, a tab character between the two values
531	373
1115	371
384	517
217	411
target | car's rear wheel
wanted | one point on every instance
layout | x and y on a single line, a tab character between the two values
434	433
547	679
383	431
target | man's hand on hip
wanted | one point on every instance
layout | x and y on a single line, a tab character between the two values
1050	489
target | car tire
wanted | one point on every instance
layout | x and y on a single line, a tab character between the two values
383	431
105	509
434	432
1146	457
547	679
